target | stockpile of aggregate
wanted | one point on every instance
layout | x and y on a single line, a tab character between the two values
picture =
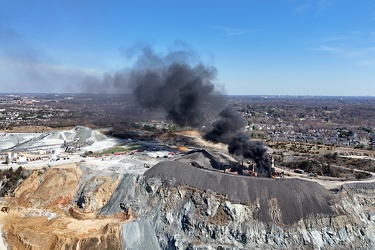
85	135
200	159
81	134
295	198
8	140
363	187
56	136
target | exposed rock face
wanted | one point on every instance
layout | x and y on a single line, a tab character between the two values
34	234
139	234
184	217
95	189
177	206
45	212
280	201
55	188
359	202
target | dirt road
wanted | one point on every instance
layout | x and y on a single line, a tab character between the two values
327	182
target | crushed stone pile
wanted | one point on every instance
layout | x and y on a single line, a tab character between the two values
85	135
200	159
358	186
293	199
9	140
212	160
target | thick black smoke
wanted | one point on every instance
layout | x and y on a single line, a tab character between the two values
228	129
187	93
241	145
231	122
183	91
175	83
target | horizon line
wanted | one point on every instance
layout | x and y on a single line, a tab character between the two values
257	95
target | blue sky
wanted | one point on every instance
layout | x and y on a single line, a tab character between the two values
259	47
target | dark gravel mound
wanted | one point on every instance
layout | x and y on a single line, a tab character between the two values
359	186
201	159
296	199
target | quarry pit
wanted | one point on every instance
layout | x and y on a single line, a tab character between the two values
107	201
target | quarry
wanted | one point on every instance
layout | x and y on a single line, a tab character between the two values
187	125
204	180
85	190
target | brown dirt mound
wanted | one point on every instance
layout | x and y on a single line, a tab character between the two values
40	218
54	189
60	233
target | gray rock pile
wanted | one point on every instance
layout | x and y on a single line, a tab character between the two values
285	201
182	207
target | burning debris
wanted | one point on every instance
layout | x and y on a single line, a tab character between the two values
241	145
229	130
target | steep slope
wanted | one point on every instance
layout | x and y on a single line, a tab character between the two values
58	209
176	206
293	199
46	191
179	215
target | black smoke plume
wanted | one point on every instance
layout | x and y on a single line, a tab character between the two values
174	83
231	122
181	90
228	129
241	145
184	88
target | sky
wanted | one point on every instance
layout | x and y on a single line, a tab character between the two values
259	47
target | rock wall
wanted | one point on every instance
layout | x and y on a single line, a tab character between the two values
33	237
185	217
94	189
281	201
139	234
53	189
45	212
181	207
